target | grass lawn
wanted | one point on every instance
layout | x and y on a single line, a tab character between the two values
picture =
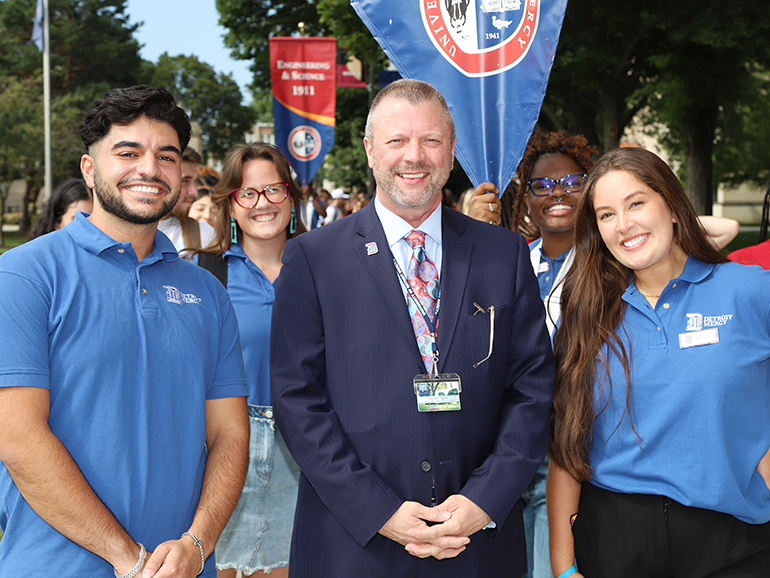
746	237
12	239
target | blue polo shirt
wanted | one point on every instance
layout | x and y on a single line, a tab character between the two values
252	296
130	352
700	395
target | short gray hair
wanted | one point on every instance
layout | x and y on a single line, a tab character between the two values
414	92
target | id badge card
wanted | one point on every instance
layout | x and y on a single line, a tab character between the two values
437	392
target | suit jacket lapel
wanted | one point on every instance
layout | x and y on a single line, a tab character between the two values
379	267
455	266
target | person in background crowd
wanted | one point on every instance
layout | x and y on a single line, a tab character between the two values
203	208
448	197
336	210
313	210
257	202
184	231
464	201
206	181
758	254
206	171
119	458
66	200
416	427
652	472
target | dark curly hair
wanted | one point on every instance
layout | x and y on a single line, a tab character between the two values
122	106
574	146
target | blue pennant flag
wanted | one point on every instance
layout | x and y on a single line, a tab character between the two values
303	74
489	58
37	26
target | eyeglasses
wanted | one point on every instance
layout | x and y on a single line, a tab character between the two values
569	184
275	194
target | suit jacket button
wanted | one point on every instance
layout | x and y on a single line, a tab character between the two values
425	466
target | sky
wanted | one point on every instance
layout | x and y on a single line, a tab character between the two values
186	27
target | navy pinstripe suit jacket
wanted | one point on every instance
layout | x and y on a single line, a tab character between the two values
343	355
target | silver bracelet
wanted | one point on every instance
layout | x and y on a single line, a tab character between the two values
135	570
200	547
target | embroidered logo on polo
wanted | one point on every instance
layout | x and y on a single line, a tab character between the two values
174	295
697	321
481	37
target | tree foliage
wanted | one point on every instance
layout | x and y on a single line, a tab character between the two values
250	23
353	37
346	164
212	98
595	83
92	49
697	68
91	42
685	66
714	53
743	134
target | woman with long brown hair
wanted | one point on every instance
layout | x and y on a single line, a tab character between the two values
660	439
257	202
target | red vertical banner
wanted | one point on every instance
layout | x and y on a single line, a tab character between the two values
303	74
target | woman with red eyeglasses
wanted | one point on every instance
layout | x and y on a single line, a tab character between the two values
257	201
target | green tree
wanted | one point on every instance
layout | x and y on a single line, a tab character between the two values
600	66
743	135
21	124
92	48
346	165
21	121
250	23
708	70
91	41
685	66
212	98
353	37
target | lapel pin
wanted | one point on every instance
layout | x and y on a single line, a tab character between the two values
371	248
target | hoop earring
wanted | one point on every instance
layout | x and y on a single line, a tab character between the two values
233	230
293	221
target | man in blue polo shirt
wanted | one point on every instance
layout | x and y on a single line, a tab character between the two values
116	457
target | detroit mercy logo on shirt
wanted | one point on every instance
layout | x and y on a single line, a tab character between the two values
481	37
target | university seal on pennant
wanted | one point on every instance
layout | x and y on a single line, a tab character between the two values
481	37
304	143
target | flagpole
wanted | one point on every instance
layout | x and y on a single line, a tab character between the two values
47	102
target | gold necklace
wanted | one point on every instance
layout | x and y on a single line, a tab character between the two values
650	296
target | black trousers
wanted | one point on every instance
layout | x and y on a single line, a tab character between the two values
642	536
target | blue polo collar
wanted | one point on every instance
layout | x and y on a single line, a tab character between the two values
95	241
694	271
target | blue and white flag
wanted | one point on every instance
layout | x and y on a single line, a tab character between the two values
489	58
37	26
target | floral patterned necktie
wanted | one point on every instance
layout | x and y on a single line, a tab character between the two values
422	277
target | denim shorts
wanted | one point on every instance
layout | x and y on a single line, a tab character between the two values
258	535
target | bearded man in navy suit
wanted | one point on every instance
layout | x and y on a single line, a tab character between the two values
395	483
